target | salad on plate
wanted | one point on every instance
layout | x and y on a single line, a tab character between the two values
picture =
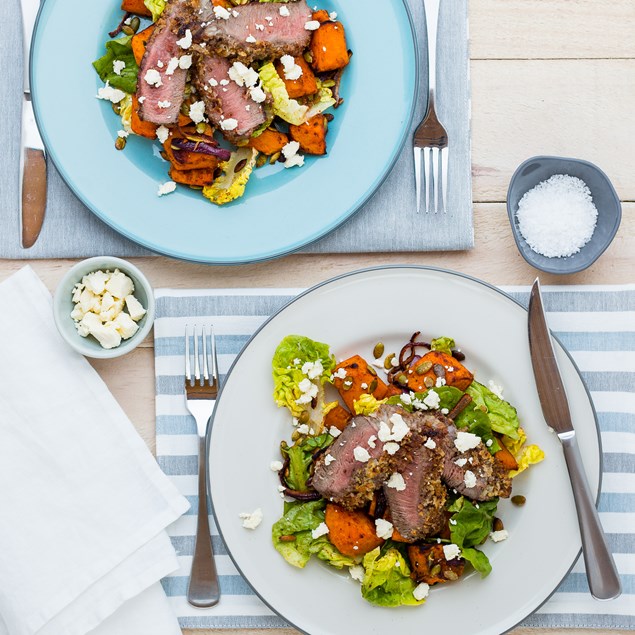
225	86
395	466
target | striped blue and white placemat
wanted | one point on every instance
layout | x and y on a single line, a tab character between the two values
596	324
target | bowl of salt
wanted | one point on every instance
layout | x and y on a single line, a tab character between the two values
564	213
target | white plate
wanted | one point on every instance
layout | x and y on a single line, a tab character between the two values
352	313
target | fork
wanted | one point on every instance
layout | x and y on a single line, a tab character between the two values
430	138
201	390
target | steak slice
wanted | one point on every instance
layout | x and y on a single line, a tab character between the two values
340	477
226	101
160	101
488	475
417	511
255	31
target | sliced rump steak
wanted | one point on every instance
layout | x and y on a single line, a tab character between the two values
225	100
254	31
475	473
161	92
418	510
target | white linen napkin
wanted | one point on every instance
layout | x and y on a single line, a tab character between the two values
83	504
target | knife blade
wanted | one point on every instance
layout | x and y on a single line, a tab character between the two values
32	164
604	581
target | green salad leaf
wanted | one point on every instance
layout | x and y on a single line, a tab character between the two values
502	414
300	458
476	421
443	345
299	520
156	7
118	50
286	108
387	580
478	560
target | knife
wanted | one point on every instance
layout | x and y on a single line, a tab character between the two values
604	581
32	155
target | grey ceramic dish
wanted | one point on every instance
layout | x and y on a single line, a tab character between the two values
605	198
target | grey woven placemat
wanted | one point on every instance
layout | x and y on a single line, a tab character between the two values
388	222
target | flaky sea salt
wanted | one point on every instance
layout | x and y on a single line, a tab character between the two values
557	217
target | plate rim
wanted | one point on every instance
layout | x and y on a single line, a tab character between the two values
270	255
384	268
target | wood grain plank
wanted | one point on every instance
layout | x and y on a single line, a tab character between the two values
544	29
576	108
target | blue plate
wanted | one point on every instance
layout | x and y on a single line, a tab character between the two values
283	209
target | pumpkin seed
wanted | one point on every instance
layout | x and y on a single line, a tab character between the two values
135	23
428	382
308	57
439	370
519	501
373	386
498	524
371	370
450	575
201	127
120	143
127	29
304	416
261	160
378	351
347	383
435	570
274	157
402	380
423	368
388	361
295	436
116	108
240	165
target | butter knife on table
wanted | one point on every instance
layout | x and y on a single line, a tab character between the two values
32	191
604	581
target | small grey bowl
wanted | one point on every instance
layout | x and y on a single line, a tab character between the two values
63	306
605	198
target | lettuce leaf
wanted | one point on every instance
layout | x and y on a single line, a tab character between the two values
478	560
300	520
300	458
291	356
231	184
443	345
156	7
286	108
476	421
525	455
387	580
367	404
502	415
119	49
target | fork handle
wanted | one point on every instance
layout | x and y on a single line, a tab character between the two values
203	590
432	28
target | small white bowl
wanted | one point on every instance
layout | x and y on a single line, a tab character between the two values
63	306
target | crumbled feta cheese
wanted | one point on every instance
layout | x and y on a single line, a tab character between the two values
257	94
260	27
432	399
118	66
185	61
250	39
153	77
221	13
361	454
364	385
356	571
333	16
284	12
122	133
292	71
289	152
275	466
421	591
142	99
312	25
111	94
243	75
106	334
173	64
384	432
399	427
372	441
444	411
321	530
430	444
309	391
166	188
213	82
489	443
328	459
186	41
440	382
340	373
229	124
453	522
460	462
119	285
159	64
499	536
164	104
125	325
495	388
405	398
313	370
466	441
334	432
469	479
451	551
396	481
303	429
96	281
162	134
251	521
197	111
383	528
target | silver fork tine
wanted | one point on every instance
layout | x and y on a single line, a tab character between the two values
205	365
214	376
430	185
445	154
188	371
436	156
418	175
197	368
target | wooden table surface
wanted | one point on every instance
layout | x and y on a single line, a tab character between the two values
548	77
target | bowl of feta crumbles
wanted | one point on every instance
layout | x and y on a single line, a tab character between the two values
104	307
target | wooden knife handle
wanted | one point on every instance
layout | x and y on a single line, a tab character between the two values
33	195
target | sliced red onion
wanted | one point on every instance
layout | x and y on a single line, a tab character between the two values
201	147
